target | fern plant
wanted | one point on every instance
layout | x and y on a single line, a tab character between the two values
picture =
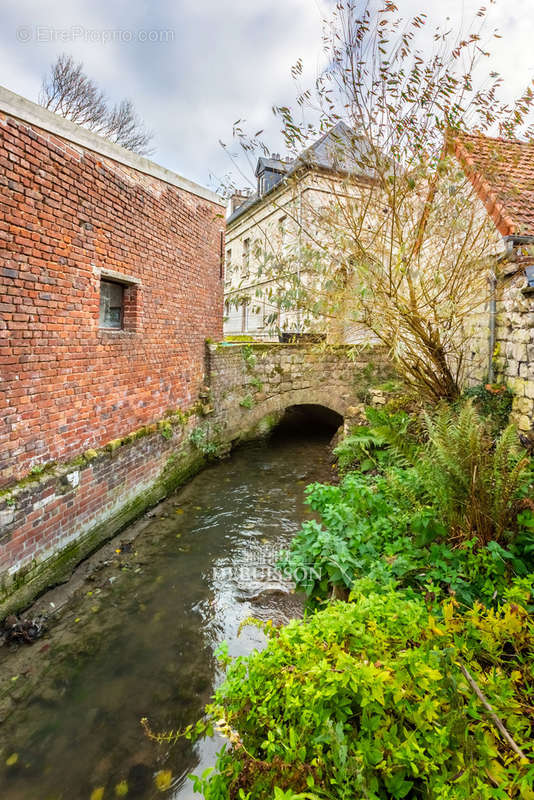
388	438
471	478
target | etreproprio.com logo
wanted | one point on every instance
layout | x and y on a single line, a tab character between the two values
42	34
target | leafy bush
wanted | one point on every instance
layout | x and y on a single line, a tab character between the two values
248	356
389	436
369	699
449	522
474	482
199	438
383	528
398	693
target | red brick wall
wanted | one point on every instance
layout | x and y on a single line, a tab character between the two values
65	214
52	523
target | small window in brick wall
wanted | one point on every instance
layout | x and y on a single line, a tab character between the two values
111	304
120	307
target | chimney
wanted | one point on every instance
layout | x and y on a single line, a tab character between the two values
238	198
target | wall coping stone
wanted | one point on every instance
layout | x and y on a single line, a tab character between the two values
18	107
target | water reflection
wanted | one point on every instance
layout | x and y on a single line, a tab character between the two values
139	639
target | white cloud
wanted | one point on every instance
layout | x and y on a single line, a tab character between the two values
229	59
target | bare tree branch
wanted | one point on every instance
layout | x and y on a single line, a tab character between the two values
404	228
68	91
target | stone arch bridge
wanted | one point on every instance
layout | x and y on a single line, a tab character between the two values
251	386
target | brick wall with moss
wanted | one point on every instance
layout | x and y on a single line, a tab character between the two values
59	513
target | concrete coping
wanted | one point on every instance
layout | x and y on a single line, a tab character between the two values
121	277
216	346
18	107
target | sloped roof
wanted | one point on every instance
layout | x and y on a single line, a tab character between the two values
337	149
502	172
274	164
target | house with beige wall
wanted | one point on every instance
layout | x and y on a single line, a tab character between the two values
502	343
269	231
274	225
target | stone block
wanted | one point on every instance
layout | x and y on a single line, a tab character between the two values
524	423
517	385
523	405
519	352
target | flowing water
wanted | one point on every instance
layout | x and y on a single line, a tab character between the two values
139	637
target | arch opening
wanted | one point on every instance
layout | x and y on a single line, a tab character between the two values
309	418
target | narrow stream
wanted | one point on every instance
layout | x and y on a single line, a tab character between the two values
138	638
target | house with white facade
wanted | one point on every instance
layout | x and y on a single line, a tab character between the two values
268	231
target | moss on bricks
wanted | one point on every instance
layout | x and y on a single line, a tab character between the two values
43	472
260	429
165	428
18	590
114	445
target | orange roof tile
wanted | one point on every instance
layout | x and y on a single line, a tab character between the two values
502	172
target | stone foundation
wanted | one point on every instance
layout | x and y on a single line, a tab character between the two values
513	358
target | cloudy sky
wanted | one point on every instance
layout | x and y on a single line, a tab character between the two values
193	67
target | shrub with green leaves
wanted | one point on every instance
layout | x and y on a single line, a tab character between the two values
381	527
368	699
199	438
492	401
388	437
404	691
439	516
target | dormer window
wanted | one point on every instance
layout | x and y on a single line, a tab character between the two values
269	172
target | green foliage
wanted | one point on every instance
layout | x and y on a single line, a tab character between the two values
256	383
38	469
248	356
166	430
200	440
383	528
366	446
247	401
368	700
493	401
436	517
433	536
361	448
474	482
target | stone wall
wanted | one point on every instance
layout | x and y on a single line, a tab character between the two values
513	358
252	385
